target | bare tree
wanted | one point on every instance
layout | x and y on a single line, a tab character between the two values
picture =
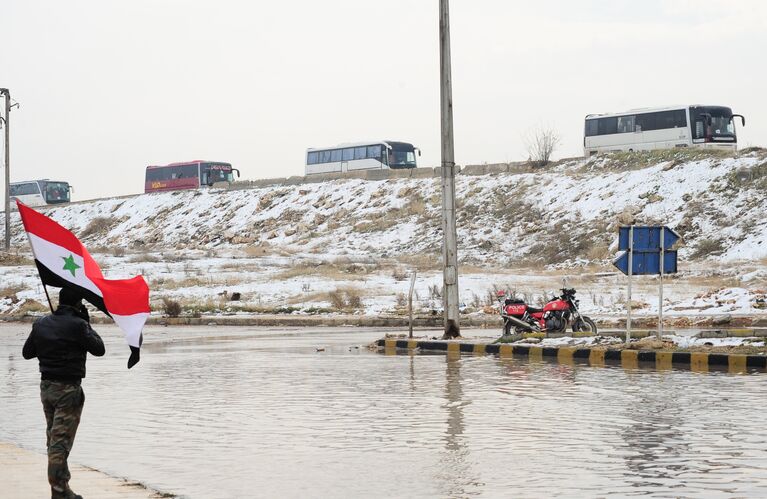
541	144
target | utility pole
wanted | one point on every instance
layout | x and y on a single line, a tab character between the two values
450	245
7	94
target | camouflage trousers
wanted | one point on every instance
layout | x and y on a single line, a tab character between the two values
63	405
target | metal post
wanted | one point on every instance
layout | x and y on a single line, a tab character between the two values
7	94
631	269
660	294
450	245
410	302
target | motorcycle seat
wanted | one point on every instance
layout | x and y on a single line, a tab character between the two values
533	310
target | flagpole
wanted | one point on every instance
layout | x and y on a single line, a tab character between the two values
46	293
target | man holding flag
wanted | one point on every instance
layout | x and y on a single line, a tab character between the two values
61	340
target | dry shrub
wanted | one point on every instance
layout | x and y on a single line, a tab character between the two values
401	299
14	259
32	306
97	226
541	144
172	308
118	251
185	283
598	252
144	258
422	261
330	271
262	249
707	247
416	206
10	292
399	274
345	299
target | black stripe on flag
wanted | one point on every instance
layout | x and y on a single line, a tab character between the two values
49	278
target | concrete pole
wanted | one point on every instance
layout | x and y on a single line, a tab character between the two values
7	95
660	286
410	303
450	245
631	271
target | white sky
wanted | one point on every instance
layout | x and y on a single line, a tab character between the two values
108	87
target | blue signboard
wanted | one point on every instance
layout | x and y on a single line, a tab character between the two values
646	238
647	262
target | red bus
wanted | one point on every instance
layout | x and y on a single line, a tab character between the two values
187	175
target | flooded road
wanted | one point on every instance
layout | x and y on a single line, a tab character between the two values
239	412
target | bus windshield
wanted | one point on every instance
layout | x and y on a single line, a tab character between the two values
216	173
401	156
56	192
712	121
722	125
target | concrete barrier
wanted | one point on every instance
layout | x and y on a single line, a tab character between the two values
474	170
494	169
370	175
295	180
266	182
324	177
422	173
378	174
631	359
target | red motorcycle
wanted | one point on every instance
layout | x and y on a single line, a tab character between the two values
556	316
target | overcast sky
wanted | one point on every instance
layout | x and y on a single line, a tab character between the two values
107	88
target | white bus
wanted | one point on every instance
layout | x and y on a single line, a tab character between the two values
661	128
379	155
40	192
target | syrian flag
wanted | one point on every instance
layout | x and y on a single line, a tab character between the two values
63	262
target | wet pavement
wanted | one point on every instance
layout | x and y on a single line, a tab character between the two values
244	412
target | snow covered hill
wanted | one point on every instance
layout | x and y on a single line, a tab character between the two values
568	213
562	217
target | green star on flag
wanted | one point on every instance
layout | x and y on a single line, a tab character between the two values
69	264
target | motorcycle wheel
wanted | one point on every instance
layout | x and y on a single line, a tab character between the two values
585	325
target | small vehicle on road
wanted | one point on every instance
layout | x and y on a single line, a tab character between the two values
556	316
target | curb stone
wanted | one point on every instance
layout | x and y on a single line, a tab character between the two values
662	360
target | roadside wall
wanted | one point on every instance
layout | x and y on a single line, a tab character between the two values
487	169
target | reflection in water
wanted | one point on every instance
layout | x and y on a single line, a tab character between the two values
656	446
454	473
303	413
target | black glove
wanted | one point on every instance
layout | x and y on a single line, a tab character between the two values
82	312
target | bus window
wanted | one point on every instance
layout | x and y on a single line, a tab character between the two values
608	126
625	124
592	128
24	189
374	152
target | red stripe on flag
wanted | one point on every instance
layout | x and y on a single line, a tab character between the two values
45	228
124	296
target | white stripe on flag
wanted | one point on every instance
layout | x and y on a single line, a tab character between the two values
131	326
52	257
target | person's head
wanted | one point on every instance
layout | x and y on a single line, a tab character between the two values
70	297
